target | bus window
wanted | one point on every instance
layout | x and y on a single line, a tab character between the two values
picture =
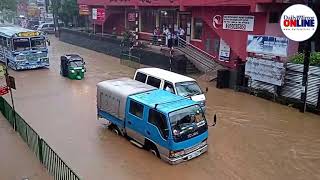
37	43
21	44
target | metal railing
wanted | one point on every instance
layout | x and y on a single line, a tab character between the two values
199	57
131	61
158	40
56	167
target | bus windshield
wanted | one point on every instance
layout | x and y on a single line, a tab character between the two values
21	44
37	43
187	123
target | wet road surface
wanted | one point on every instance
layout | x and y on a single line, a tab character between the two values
254	138
17	161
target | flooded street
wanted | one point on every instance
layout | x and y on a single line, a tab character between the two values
254	138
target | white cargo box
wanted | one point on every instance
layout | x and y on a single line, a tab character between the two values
112	95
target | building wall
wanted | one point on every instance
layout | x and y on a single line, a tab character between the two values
274	29
237	40
206	10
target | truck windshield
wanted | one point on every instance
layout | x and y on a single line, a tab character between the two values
189	88
38	43
187	123
21	44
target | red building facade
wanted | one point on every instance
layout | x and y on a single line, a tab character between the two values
202	21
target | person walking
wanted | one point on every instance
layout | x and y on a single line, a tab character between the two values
181	33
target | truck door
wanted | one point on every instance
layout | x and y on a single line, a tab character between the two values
157	129
134	121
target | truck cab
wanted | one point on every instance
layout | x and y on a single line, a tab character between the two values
172	127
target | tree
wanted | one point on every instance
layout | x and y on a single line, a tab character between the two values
68	10
10	5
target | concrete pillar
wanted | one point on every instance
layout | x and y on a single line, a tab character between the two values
158	19
138	16
125	19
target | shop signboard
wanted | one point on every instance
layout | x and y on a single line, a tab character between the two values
132	17
224	51
98	14
94	13
238	22
84	10
3	87
264	70
270	45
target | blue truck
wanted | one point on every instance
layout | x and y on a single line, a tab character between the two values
172	127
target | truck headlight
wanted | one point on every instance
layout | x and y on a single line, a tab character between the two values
72	71
82	70
178	153
203	103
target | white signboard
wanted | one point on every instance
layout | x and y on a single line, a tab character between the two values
265	70
224	51
270	45
238	22
94	13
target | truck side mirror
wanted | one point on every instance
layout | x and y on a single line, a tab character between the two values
207	89
48	41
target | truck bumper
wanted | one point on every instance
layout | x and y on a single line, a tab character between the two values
186	157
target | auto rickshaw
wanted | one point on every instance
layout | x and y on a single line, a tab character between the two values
72	66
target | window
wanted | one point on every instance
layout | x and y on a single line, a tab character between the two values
168	87
51	25
141	77
37	42
21	44
159	120
274	17
136	109
216	45
154	82
197	31
168	18
148	20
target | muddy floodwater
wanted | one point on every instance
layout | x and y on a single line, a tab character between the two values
254	139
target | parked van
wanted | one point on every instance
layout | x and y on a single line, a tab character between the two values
48	27
172	127
172	82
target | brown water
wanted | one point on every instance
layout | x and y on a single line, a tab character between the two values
254	138
17	161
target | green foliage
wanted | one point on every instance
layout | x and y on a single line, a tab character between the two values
299	58
68	10
8	5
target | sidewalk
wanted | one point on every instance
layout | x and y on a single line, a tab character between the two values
17	161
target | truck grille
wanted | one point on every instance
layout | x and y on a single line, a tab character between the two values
194	148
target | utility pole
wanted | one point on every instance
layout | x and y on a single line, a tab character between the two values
306	64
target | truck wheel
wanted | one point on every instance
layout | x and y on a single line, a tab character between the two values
152	148
114	129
